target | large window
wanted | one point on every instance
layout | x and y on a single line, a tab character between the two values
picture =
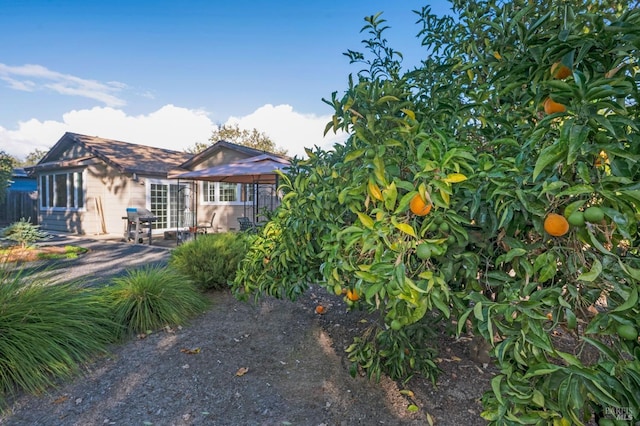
226	193
62	191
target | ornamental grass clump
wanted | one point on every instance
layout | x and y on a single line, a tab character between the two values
47	331
153	297
212	260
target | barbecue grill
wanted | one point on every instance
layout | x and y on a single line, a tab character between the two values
139	224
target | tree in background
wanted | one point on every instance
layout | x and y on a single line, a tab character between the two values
7	163
232	133
32	158
494	191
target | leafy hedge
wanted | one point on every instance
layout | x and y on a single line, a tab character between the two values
211	260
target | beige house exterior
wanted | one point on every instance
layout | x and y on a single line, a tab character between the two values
86	183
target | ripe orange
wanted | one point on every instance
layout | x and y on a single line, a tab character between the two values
556	225
551	106
320	309
352	295
418	206
559	70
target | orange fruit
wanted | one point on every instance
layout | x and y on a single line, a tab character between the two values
418	206
601	159
320	309
551	106
556	225
352	295
559	70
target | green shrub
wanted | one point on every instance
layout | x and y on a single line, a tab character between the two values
70	252
23	232
152	297
211	260
47	331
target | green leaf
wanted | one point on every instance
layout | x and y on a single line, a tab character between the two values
413	408
353	155
477	311
495	387
371	290
538	398
576	190
601	347
596	270
578	135
548	155
510	255
440	304
379	170
569	358
407	229
365	219
404	202
366	276
462	321
597	244
387	98
390	195
630	302
632	272
548	271
541	370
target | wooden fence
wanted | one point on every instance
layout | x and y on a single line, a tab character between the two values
19	205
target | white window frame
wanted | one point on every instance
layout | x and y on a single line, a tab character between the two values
204	192
45	204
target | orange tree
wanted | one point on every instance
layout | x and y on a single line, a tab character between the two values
444	204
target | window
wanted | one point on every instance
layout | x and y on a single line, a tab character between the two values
208	192
228	191
225	193
62	191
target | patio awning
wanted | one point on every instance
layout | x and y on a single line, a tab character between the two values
258	169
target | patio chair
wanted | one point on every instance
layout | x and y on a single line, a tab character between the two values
246	224
203	228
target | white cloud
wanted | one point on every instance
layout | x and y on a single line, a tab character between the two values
31	78
169	127
289	129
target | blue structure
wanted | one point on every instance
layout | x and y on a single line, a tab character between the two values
21	182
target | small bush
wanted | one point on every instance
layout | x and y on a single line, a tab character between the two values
23	232
150	298
70	252
211	260
47	331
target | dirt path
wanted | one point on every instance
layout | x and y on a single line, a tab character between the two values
296	374
297	371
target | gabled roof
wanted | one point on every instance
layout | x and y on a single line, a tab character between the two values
257	169
203	155
123	156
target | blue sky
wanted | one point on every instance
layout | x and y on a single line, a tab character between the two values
166	72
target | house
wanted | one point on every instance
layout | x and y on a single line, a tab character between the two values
86	183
